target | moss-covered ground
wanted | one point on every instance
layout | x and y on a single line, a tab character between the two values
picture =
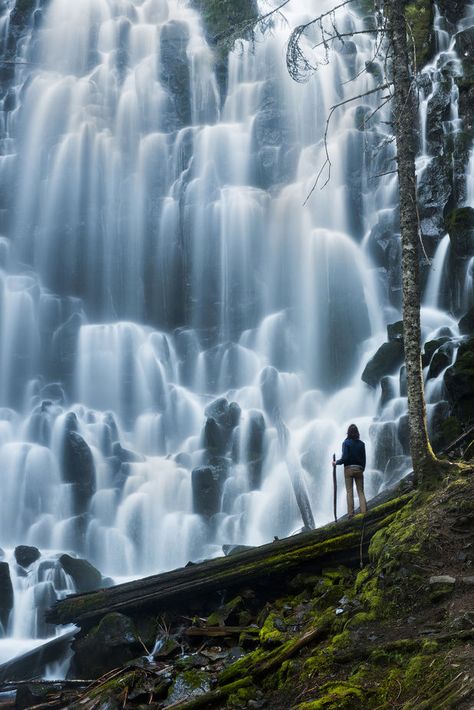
395	632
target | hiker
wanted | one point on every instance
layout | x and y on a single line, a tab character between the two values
353	458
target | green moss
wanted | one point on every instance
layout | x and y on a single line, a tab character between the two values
269	633
319	663
419	15
460	217
338	696
116	686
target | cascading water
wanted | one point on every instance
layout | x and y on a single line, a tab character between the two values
165	291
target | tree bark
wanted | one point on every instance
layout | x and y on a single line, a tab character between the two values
405	117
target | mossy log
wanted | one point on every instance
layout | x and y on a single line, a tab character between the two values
406	645
334	544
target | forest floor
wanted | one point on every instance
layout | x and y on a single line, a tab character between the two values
392	630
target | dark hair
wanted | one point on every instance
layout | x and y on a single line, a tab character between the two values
353	432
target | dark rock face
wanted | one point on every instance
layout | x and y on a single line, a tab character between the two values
436	425
64	347
207	484
6	594
255	444
78	467
109	645
465	48
460	226
26	555
453	10
387	359
269	378
459	381
85	576
175	69
466	324
388	390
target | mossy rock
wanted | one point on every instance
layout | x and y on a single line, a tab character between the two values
189	684
112	643
419	15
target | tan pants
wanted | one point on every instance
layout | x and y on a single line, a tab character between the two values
350	475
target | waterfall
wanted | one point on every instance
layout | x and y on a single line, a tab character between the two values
166	286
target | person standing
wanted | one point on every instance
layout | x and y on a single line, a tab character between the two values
353	459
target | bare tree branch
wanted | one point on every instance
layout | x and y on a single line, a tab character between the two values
327	163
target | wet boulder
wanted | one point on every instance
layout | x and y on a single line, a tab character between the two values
386	361
440	360
109	420
40	423
217	410
85	576
113	643
25	555
430	348
395	331
78	468
207	486
225	414
222	419
6	595
125	455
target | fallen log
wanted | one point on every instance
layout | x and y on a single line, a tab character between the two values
220	631
32	663
273	563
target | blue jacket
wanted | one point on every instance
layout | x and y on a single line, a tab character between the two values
353	453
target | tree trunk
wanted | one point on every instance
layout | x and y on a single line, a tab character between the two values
405	121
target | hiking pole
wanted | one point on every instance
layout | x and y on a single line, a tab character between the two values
334	480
